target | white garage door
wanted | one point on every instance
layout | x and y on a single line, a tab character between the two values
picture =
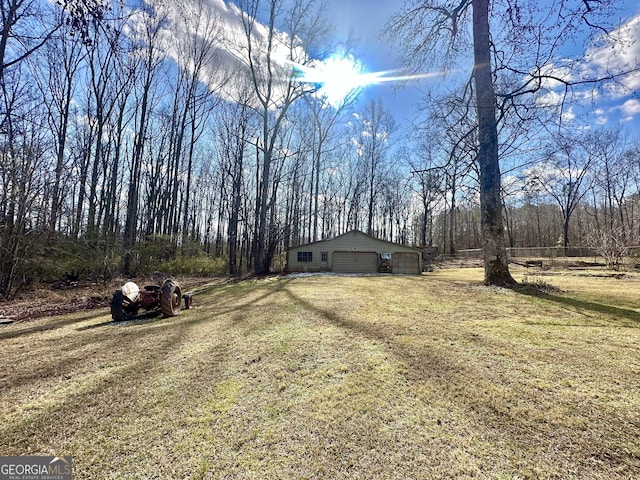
405	262
355	262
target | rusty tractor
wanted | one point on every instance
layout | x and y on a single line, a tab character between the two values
130	299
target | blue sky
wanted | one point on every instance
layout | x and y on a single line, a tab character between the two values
366	19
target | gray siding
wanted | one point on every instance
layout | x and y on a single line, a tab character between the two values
356	242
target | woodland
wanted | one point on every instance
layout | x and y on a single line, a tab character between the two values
144	136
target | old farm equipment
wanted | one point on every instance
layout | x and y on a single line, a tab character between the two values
130	299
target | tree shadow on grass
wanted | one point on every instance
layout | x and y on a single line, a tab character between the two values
487	397
617	316
130	362
138	367
228	307
40	326
424	364
139	319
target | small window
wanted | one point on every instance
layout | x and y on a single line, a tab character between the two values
305	256
324	257
385	256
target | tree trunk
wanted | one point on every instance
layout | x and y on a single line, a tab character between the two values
262	260
496	263
62	130
452	217
316	190
235	213
131	222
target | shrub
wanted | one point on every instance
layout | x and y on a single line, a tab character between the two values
613	244
201	265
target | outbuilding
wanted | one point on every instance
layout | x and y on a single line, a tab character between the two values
354	252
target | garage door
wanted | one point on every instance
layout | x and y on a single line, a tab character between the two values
405	262
355	262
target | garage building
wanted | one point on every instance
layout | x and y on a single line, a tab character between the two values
354	252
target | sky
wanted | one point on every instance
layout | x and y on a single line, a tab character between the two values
365	20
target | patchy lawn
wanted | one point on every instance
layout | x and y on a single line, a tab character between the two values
339	377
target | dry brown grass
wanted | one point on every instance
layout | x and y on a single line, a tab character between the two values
339	377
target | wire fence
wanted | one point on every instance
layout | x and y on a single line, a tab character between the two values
549	255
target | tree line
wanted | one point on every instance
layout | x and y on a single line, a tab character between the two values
123	147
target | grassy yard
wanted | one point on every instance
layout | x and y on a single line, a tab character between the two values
432	377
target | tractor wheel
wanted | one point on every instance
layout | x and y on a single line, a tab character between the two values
170	298
117	311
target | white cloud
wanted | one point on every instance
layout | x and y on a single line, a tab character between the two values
207	23
555	74
614	54
514	186
630	109
549	99
217	26
618	52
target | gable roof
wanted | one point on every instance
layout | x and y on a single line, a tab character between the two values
355	232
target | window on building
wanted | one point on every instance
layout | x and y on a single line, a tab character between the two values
324	256
305	256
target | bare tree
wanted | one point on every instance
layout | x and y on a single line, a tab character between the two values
146	51
108	79
268	56
236	127
54	70
566	175
28	24
435	29
22	163
457	139
632	162
372	142
427	183
612	179
325	116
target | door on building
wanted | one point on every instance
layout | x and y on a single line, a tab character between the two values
354	262
406	262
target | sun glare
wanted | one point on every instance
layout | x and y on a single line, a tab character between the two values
337	77
340	76
343	75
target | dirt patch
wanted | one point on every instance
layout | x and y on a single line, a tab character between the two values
50	302
61	299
